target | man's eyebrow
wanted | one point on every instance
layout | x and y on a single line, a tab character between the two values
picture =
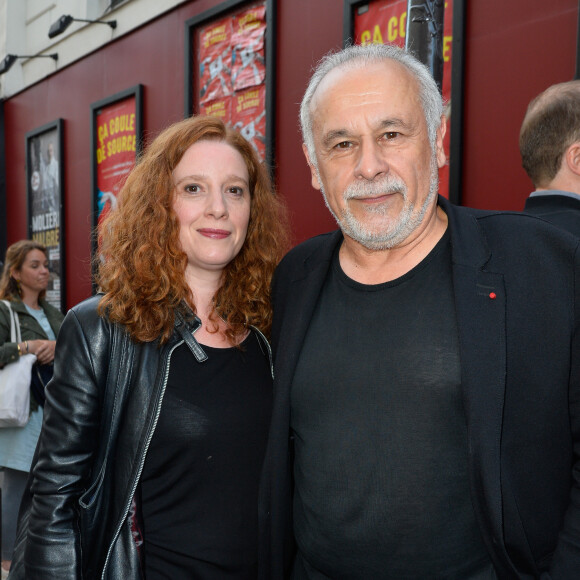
334	135
394	122
391	123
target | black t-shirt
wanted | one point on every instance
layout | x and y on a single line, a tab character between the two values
381	466
199	486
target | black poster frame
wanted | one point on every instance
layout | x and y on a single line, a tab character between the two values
577	73
45	199
135	91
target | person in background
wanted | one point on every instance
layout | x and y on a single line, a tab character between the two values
23	283
426	420
49	170
157	417
550	150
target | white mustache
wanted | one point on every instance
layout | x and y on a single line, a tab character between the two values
385	185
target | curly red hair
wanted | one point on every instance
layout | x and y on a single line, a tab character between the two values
143	274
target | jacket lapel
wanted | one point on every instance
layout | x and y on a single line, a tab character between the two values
301	295
480	304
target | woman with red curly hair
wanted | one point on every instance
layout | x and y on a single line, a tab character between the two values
156	419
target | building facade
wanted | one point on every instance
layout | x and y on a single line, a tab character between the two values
87	112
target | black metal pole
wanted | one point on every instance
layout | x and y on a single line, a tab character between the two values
577	75
425	34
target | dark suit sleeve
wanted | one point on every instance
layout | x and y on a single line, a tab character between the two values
277	303
566	561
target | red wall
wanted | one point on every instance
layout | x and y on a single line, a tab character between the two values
152	56
307	31
514	49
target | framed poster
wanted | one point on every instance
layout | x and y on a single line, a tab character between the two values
385	21
229	60
44	186
116	133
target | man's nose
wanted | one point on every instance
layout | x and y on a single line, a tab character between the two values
371	161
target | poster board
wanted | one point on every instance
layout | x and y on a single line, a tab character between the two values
45	195
229	56
116	133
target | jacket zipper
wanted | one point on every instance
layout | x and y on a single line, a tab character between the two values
150	436
142	461
268	347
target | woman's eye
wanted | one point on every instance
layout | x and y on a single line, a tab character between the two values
236	190
192	188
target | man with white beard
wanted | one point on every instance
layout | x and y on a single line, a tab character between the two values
426	420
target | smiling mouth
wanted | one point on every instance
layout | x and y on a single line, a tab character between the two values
214	234
377	198
374	199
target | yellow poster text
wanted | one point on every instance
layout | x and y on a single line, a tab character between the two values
48	238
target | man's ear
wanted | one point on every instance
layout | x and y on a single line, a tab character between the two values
572	158
313	172
439	150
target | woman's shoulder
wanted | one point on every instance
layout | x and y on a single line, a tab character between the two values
14	305
83	322
87	310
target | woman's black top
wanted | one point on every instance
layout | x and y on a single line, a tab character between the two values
199	486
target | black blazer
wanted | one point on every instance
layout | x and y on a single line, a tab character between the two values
560	210
517	295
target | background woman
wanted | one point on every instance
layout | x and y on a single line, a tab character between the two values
156	420
23	283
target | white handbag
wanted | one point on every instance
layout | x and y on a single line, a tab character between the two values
15	381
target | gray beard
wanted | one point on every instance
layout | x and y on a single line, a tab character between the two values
393	232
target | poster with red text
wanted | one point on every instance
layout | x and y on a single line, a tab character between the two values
248	57
215	60
221	108
249	117
381	22
115	153
385	21
232	72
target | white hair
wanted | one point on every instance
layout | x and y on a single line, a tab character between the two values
353	57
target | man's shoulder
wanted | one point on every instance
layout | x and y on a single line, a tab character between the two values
519	224
466	212
558	209
555	197
320	247
500	234
502	219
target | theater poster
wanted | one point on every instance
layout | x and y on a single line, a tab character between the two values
116	137
44	178
229	68
385	21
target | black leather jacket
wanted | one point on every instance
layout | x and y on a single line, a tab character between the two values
102	409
